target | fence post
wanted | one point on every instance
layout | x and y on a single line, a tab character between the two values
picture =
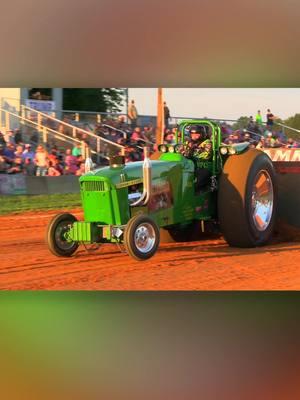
123	151
83	149
98	150
45	135
74	131
98	118
39	121
23	114
7	126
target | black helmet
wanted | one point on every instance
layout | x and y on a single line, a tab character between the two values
200	130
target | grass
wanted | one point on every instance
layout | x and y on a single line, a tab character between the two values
15	204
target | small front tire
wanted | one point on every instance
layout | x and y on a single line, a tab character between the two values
141	237
56	235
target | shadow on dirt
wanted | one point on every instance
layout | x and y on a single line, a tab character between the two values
221	249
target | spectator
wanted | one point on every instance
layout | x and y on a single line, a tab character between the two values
292	144
166	115
19	151
70	163
270	119
41	161
267	132
18	136
2	140
121	124
114	136
29	167
9	137
251	124
81	170
132	154
270	141
229	139
258	118
137	135
53	156
17	166
76	150
169	136
28	152
9	153
53	169
147	134
247	137
132	114
282	137
85	139
3	163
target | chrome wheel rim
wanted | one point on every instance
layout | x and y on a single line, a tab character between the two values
262	200
144	238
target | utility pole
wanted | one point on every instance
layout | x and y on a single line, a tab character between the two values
160	118
127	100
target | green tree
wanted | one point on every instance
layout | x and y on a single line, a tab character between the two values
101	100
293	122
241	123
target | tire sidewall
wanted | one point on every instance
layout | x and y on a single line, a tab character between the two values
50	237
129	234
261	163
235	199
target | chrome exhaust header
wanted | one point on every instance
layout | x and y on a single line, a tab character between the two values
147	176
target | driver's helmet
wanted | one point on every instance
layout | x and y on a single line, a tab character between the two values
198	133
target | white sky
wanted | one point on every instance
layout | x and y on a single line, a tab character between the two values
219	103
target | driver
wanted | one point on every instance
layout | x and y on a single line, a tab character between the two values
199	145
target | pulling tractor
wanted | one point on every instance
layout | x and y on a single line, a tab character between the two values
129	204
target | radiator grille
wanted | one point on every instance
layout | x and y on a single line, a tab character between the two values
93	186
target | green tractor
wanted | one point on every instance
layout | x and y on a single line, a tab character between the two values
130	204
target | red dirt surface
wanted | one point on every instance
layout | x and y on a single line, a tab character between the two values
26	263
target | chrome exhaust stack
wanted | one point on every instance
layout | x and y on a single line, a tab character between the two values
147	176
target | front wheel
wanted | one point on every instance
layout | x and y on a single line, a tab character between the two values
57	235
141	237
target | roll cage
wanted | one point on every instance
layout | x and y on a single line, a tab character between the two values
215	138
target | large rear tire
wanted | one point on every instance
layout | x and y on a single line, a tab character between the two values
247	199
141	237
56	235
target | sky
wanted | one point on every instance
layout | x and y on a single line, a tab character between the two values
219	103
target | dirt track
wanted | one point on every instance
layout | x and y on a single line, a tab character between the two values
25	263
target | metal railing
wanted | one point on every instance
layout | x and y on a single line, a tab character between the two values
46	132
96	142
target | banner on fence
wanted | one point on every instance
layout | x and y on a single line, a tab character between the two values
41	105
12	184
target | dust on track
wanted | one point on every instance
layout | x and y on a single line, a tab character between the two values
27	264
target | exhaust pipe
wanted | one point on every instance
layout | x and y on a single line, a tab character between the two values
88	165
143	200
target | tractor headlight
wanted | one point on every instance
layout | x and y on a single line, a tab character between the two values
232	150
223	151
162	148
171	149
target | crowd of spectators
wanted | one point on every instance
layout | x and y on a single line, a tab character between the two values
35	159
259	135
19	158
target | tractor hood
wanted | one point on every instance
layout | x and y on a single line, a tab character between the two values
133	171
